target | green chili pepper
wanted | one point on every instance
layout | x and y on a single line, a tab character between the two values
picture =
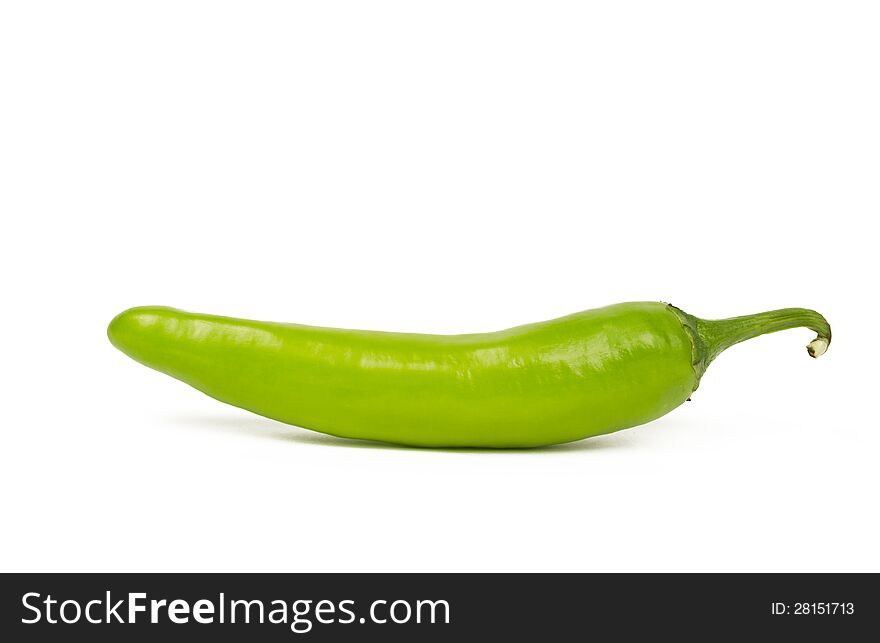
586	374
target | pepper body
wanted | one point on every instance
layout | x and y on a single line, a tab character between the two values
578	376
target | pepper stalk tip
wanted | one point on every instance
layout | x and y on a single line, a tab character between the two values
817	347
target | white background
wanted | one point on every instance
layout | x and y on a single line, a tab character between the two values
437	167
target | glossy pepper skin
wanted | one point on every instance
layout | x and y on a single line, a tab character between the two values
578	376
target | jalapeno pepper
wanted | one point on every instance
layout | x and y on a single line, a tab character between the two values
586	374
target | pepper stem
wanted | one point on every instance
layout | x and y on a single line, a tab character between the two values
718	335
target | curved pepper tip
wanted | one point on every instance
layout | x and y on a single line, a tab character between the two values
131	323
